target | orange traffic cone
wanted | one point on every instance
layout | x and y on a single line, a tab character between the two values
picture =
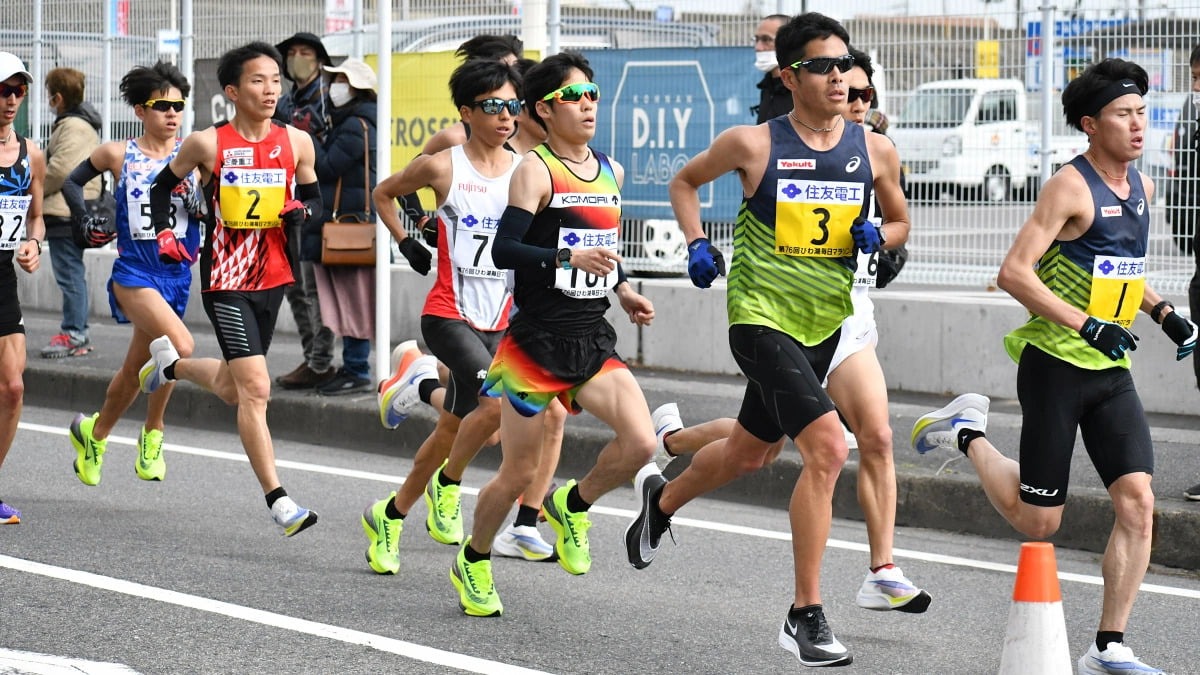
1036	640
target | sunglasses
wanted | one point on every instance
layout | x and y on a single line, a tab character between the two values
823	64
164	104
574	93
493	106
17	90
864	95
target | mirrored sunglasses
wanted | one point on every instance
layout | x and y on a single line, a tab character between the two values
493	106
574	93
823	64
165	104
17	90
864	95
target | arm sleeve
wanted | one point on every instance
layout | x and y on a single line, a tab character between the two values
72	189
510	252
160	198
411	204
310	195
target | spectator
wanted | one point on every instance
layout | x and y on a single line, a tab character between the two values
74	135
1182	204
304	107
774	98
346	294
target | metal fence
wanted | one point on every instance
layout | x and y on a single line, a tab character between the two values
963	218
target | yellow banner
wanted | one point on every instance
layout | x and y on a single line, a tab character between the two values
987	58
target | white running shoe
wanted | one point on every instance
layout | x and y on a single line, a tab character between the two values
522	542
939	429
162	354
1116	660
666	421
401	392
292	517
889	589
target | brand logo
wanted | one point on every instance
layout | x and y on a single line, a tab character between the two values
585	199
237	157
275	152
852	165
472	187
1141	206
1041	492
793	164
1126	84
1110	211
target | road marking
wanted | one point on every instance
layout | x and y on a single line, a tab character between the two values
33	663
627	513
385	644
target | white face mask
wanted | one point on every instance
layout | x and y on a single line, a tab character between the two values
339	94
765	61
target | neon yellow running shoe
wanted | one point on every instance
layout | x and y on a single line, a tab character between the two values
476	589
444	503
574	551
383	554
89	451
150	464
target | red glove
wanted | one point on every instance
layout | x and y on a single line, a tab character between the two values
294	213
170	249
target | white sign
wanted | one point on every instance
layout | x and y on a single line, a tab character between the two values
168	41
339	15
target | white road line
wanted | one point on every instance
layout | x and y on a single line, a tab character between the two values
33	663
626	513
385	644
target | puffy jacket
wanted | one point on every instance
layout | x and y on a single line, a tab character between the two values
341	156
73	137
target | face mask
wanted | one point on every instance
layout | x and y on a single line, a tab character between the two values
339	94
1196	101
301	67
765	61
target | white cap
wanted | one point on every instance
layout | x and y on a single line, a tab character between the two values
360	74
11	65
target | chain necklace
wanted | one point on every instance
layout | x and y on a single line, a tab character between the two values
568	159
1105	171
11	133
821	130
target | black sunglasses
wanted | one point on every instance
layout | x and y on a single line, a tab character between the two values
164	104
493	106
17	90
823	64
865	95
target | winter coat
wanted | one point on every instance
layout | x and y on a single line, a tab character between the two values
306	108
774	99
341	156
73	137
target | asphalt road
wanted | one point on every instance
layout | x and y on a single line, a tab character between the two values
190	575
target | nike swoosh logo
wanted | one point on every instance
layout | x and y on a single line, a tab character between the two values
790	626
1126	84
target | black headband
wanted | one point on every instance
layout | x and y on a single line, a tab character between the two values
1112	91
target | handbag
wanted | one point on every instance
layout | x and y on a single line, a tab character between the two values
103	206
350	239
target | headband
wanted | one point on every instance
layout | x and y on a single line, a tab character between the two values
1113	91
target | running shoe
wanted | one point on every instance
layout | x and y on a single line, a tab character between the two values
574	551
666	421
939	429
810	639
292	517
444	504
890	589
1117	659
1193	493
150	464
644	534
522	541
9	515
89	452
63	345
476	590
162	354
402	391
383	554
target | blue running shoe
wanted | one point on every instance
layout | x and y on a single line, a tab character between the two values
1116	660
9	515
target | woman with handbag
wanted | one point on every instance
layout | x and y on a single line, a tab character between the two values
341	241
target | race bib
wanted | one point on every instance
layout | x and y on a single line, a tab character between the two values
472	253
576	283
12	221
868	264
812	218
251	199
1117	285
141	227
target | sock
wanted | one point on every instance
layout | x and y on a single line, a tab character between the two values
666	445
390	511
426	388
965	437
526	516
575	503
169	371
444	480
474	556
885	566
274	495
1104	637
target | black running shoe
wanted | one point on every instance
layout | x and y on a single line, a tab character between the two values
807	635
645	532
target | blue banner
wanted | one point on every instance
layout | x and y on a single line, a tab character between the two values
661	107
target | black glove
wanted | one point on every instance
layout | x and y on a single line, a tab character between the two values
1110	339
1182	332
429	231
294	213
96	230
889	265
417	255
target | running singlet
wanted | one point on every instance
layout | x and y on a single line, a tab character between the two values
581	214
135	231
794	257
1103	273
15	182
247	247
469	286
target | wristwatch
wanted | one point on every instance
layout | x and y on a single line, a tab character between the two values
564	258
882	236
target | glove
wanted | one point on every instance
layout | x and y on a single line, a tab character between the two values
1182	331
96	230
429	231
417	255
192	198
705	263
866	236
1108	338
890	264
170	249
294	213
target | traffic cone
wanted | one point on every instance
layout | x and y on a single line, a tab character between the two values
1036	640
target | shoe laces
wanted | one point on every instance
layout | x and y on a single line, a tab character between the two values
151	445
448	503
478	576
1117	651
816	627
391	534
578	524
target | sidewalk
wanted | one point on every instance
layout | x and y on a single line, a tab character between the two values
951	500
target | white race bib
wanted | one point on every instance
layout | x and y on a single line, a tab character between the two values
141	228
13	210
472	253
576	283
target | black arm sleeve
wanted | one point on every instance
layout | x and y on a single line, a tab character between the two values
160	198
510	252
411	204
621	276
310	195
72	189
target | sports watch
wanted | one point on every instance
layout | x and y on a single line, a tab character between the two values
564	258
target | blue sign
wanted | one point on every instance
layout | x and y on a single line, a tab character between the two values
661	107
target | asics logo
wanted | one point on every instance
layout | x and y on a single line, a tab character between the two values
275	151
852	165
1141	206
